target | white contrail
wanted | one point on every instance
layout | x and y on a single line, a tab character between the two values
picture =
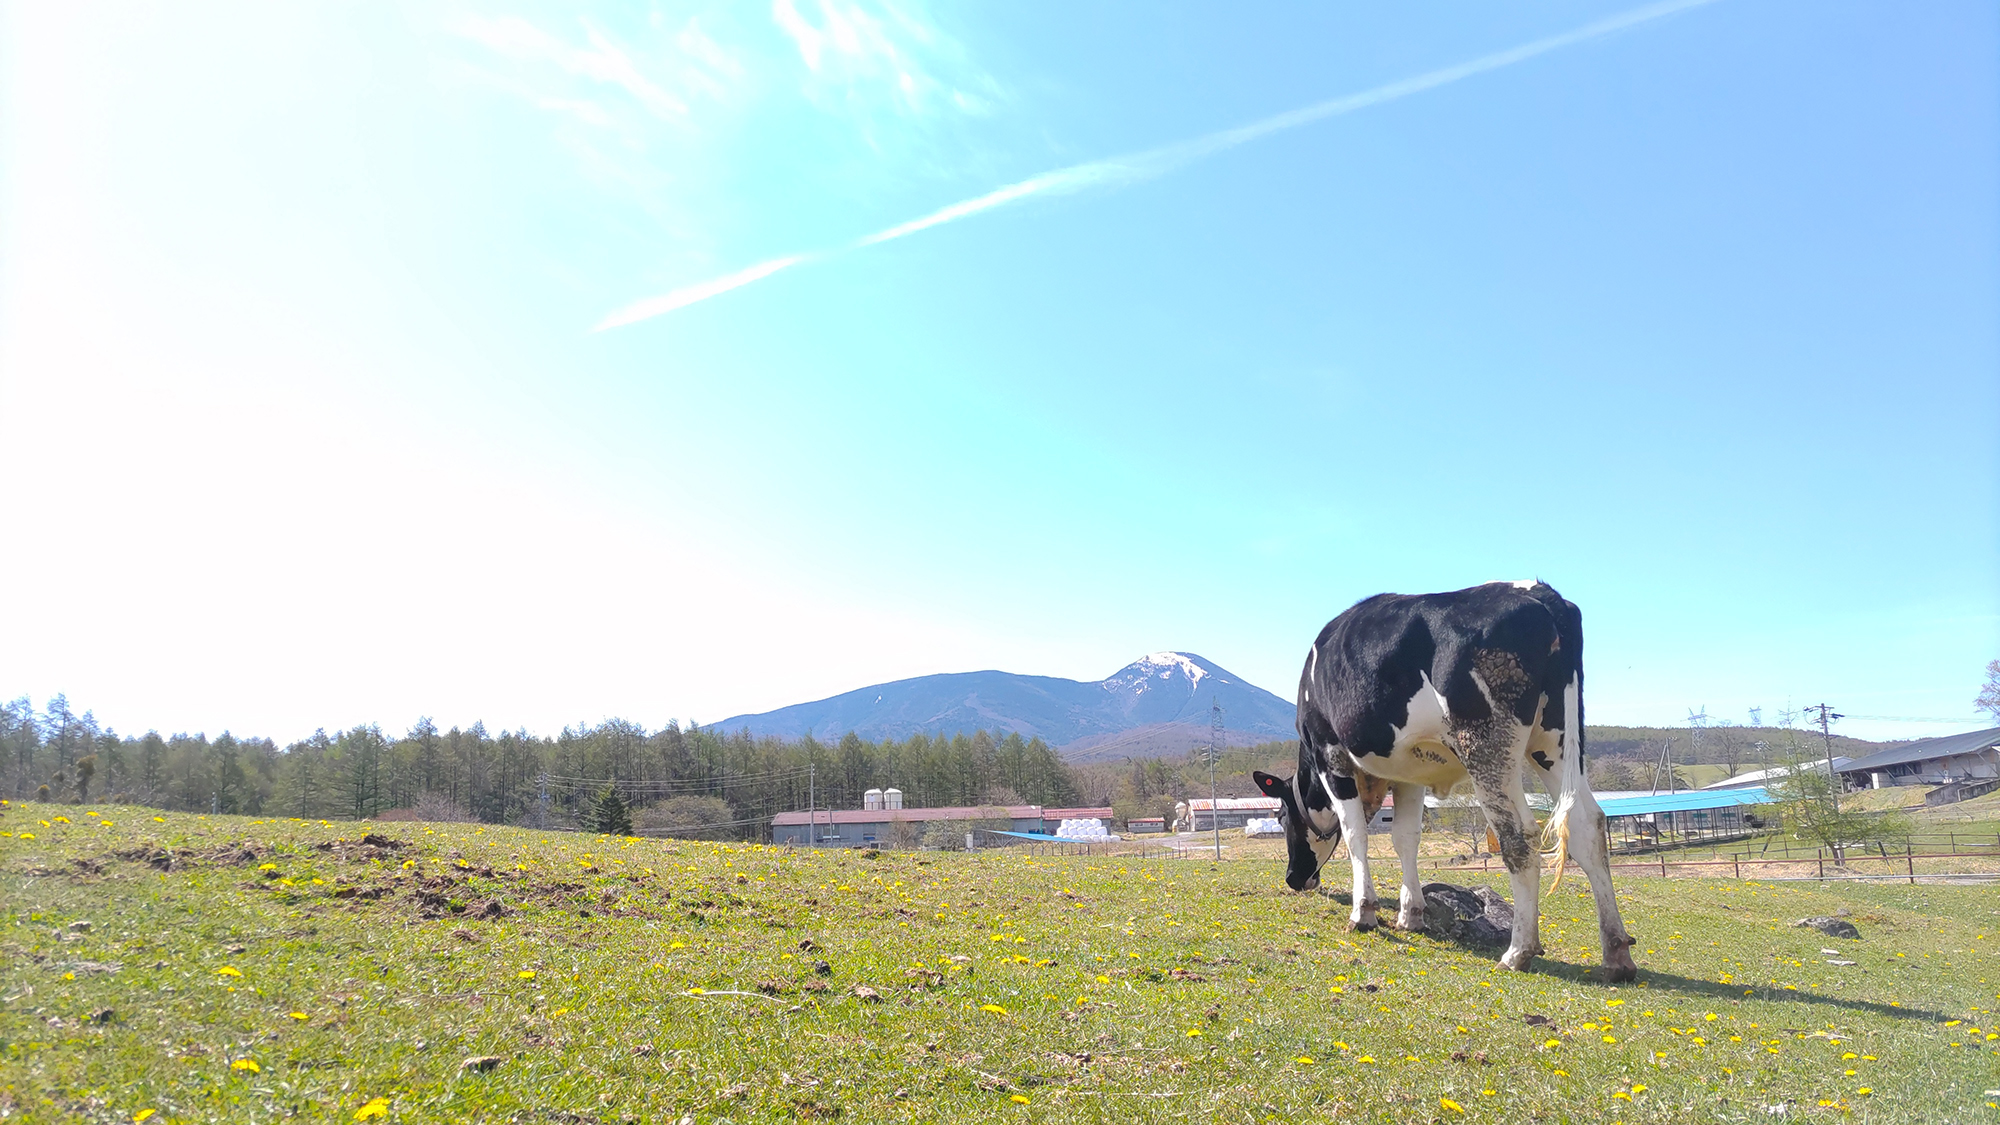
689	294
1158	161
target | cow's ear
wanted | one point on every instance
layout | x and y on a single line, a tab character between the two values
1272	786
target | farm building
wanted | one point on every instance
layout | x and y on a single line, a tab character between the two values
1234	812
1966	765
1643	819
1757	779
900	827
1146	825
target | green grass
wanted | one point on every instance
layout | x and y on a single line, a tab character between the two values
646	980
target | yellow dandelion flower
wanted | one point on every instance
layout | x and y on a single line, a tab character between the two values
1639	1089
994	1008
526	974
1865	1090
1365	1059
298	1015
27	835
1447	1103
1017	1099
376	1107
246	1064
1194	1033
1304	1060
144	1113
1611	1039
162	820
1102	979
229	971
1562	1074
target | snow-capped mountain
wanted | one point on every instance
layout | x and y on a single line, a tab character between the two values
1156	704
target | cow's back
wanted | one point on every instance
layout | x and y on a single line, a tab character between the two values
1370	662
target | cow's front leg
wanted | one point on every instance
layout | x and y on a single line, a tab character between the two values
1407	832
1354	829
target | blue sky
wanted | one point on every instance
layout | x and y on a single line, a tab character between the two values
307	422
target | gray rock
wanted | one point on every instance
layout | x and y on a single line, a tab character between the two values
1831	927
1475	915
1497	910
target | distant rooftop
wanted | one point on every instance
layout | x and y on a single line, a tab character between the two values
953	812
1925	749
1760	777
1684	801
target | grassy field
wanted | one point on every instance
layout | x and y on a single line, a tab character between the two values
182	968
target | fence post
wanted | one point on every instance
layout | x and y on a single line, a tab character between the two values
1819	857
1663	865
1910	857
1738	859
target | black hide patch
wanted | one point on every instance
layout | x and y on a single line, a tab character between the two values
1368	663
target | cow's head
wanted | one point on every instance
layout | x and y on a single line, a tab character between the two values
1312	829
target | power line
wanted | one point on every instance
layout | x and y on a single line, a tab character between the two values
1911	719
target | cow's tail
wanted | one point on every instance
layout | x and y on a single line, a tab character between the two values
1556	832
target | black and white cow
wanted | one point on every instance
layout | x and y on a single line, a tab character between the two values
1409	691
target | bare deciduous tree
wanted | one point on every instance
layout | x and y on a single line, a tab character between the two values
1989	693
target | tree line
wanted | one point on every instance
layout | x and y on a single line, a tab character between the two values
683	780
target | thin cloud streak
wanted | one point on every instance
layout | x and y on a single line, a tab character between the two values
1152	163
689	294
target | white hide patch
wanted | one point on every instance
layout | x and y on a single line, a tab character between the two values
1429	715
1422	751
1520	585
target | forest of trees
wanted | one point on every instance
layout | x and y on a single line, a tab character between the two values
692	781
680	781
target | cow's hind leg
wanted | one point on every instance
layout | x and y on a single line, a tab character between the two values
1587	847
1407	831
1496	779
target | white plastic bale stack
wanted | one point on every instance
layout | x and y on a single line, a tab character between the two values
872	800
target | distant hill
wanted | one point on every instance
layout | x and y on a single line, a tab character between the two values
1156	705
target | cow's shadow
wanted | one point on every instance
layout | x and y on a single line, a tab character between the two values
1656	982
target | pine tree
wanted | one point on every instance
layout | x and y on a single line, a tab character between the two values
612	817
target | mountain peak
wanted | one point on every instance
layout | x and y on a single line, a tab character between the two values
1167	690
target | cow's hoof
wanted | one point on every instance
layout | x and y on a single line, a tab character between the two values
1357	926
1620	971
1516	960
1410	922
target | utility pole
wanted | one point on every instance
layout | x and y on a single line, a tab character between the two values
1214	751
812	799
1826	718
